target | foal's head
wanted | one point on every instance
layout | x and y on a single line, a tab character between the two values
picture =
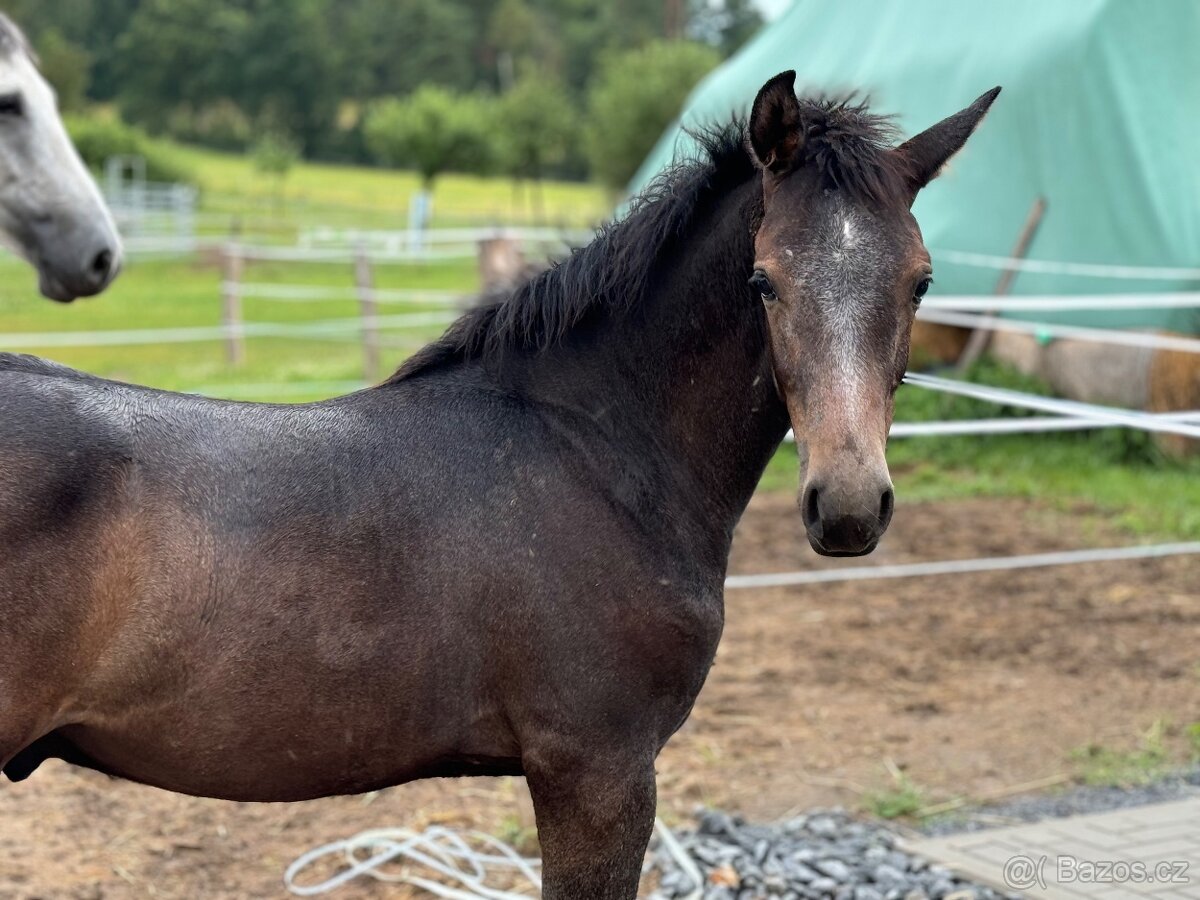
841	269
51	212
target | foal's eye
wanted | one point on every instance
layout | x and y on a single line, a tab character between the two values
762	284
920	289
11	105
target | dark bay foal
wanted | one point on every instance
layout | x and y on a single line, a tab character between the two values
508	558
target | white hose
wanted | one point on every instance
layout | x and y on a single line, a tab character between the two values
439	850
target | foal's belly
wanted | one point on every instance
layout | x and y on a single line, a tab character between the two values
313	731
297	692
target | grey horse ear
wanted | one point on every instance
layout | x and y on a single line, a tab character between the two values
926	153
773	131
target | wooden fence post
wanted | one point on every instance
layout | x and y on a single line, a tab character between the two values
369	309
231	303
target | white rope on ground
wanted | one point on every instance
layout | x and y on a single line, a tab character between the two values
1071	332
962	566
1061	303
1051	267
450	855
1071	408
682	858
444	852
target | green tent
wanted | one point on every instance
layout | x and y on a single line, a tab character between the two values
1100	115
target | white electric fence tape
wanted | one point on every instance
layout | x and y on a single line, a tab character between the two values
1071	332
1052	267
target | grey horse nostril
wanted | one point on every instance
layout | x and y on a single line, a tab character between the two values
102	264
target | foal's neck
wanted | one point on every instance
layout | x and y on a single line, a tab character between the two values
683	381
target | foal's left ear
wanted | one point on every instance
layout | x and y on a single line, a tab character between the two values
927	152
774	126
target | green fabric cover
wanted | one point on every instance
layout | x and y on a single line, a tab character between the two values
1100	114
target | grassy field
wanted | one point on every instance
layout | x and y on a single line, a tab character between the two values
349	196
1117	475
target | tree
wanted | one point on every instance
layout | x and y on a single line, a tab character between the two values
432	130
638	94
724	24
536	127
274	154
66	66
384	48
179	52
267	56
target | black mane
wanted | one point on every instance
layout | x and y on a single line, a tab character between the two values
843	141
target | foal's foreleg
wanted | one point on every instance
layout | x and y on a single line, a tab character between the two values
594	817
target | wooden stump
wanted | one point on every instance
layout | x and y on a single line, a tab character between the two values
501	263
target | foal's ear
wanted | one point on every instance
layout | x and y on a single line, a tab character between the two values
927	152
774	128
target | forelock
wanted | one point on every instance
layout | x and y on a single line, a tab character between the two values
850	147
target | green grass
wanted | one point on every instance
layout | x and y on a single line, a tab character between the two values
361	197
169	294
1101	766
901	798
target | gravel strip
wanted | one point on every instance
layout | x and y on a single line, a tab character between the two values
824	855
1076	801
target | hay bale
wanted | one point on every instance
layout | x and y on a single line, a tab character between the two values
1174	386
1108	374
934	344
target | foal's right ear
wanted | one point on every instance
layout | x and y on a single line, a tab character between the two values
774	127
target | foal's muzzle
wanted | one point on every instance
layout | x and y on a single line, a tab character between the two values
845	521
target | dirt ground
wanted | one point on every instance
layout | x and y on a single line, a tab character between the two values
969	684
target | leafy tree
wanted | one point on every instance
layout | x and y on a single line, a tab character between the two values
537	127
725	25
197	67
65	65
285	78
383	48
536	130
179	52
432	130
274	154
638	94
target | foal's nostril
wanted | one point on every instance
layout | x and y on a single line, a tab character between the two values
812	507
886	504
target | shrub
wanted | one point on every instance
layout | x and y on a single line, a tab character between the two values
221	125
99	139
